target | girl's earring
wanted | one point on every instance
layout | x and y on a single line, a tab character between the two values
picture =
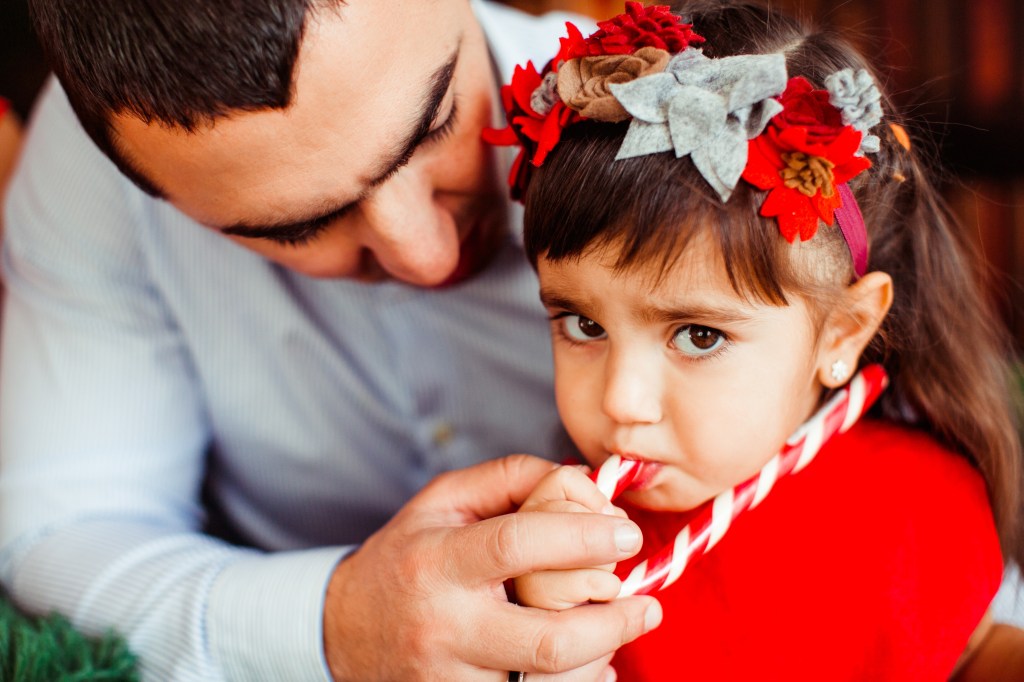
840	370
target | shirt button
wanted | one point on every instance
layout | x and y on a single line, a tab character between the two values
444	433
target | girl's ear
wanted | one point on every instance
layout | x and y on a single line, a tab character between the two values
851	325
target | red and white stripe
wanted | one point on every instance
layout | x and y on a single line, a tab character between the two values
616	475
716	516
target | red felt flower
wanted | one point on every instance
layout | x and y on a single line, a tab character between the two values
810	109
572	45
801	158
637	27
535	133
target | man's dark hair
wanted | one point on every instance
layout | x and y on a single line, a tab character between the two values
176	62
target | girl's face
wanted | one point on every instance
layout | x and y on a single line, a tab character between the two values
684	372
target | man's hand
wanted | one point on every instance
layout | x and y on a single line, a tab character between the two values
423	598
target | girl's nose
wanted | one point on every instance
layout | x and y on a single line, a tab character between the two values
632	391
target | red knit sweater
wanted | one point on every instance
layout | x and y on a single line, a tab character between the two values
876	562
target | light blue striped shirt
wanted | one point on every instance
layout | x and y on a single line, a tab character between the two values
145	357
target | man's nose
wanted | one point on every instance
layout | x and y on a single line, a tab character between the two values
412	236
633	386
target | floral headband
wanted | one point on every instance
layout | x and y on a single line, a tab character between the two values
735	117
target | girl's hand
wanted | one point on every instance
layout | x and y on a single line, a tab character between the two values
568	489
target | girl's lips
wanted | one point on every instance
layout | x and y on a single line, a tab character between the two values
645	476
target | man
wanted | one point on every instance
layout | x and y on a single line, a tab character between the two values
300	303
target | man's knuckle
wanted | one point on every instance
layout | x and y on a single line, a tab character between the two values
550	652
439	486
505	545
591	542
411	577
632	627
420	565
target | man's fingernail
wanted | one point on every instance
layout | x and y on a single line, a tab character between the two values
610	675
652	617
627	537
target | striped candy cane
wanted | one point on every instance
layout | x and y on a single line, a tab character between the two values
716	516
617	475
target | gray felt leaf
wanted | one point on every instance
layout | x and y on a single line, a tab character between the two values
694	116
647	98
760	114
759	78
685	62
644	138
711	106
723	159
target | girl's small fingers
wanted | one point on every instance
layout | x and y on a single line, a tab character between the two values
569	483
561	506
561	590
568	506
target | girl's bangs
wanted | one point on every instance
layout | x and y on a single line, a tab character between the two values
649	209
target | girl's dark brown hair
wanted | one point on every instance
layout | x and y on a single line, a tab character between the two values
946	352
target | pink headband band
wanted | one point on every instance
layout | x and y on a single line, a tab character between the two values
851	224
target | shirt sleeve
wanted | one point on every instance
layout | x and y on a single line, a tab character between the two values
103	435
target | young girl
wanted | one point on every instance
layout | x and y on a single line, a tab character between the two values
727	221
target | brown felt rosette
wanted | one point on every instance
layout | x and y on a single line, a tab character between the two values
583	83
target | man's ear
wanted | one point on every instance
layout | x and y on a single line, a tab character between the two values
851	325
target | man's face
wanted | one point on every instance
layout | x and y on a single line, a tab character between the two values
376	169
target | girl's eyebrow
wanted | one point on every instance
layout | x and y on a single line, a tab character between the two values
719	313
650	313
551	299
586	306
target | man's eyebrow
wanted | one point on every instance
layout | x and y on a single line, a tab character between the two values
439	83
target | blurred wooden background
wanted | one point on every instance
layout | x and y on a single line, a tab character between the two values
956	67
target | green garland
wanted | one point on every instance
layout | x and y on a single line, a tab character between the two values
50	650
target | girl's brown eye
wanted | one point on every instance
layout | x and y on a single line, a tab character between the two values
590	328
581	329
695	339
